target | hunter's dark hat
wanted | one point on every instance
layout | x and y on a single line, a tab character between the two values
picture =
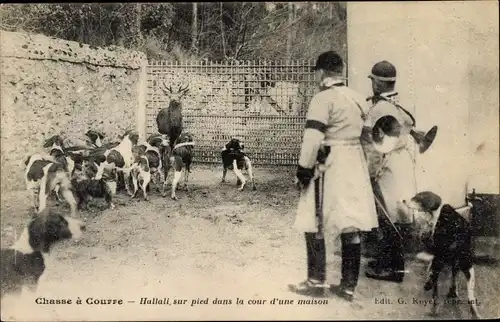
383	71
329	60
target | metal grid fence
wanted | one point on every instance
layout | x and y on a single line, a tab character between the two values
263	103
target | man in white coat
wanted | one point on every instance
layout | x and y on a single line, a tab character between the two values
338	198
392	173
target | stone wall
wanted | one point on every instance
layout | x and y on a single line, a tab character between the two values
51	86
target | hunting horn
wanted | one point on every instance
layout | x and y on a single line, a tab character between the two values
388	131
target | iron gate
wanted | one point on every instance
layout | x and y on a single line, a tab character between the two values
263	103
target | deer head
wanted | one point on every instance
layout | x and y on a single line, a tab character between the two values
175	95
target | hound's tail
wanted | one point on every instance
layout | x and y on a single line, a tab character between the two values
62	179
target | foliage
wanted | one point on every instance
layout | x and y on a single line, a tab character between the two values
239	30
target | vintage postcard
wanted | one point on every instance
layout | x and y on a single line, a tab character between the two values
250	161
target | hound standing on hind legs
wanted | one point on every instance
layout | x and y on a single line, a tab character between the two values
119	157
57	151
182	157
233	158
42	176
157	151
141	175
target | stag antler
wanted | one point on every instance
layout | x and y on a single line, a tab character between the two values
183	90
165	89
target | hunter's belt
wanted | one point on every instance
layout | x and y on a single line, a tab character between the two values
326	145
342	142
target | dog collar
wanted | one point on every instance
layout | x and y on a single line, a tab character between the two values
56	148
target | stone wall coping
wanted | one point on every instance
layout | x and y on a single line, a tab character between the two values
41	47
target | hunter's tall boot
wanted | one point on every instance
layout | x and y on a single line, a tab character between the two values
351	258
317	256
389	260
316	268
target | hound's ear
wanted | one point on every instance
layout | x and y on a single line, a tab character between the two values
60	140
48	142
156	141
137	157
100	158
134	137
27	160
242	146
141	149
36	228
33	214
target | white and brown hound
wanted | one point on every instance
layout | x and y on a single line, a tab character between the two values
155	149
181	159
23	263
42	175
233	158
94	138
141	175
119	157
85	187
55	148
451	244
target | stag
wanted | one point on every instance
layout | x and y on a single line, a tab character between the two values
169	119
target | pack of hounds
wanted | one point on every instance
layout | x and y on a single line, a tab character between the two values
97	170
79	173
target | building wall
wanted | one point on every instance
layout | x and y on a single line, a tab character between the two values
446	55
51	86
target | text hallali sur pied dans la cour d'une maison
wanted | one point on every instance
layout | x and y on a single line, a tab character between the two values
179	301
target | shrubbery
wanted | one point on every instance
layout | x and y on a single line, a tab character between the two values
243	31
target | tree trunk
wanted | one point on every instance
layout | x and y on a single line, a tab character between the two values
194	29
137	27
289	39
222	31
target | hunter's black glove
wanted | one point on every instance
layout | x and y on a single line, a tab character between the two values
304	175
323	153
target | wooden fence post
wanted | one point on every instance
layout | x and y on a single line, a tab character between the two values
141	107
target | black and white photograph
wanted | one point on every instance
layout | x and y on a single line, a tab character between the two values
190	161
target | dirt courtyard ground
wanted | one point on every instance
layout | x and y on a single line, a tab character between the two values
213	243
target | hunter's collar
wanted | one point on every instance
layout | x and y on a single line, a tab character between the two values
387	96
328	82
